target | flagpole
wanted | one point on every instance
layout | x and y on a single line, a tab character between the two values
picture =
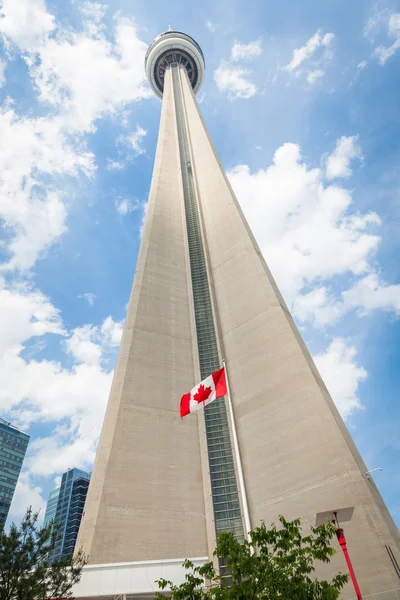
246	513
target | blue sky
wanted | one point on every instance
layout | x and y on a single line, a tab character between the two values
301	100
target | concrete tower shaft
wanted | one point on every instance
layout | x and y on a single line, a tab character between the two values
146	496
162	488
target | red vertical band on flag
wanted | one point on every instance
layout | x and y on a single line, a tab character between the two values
185	405
219	379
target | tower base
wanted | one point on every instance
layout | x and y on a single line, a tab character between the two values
129	581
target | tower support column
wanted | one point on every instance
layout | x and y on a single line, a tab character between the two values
145	500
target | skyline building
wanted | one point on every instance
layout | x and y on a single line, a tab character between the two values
51	506
162	489
67	513
13	445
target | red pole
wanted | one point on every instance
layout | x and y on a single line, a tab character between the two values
342	542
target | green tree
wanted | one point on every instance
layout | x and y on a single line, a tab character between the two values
25	570
278	564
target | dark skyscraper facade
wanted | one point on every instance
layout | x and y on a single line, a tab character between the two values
68	513
13	445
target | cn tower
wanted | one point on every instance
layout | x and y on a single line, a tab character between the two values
163	488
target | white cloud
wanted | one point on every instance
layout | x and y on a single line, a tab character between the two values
26	494
327	39
26	314
375	23
39	144
370	293
126	206
81	394
88	385
111	333
305	52
394	24
246	51
304	225
211	26
114	165
322	307
34	213
93	10
385	52
134	141
338	163
73	446
319	306
362	64
341	375
89	344
89	297
40	226
3	65
89	76
81	73
82	76
235	81
309	49
26	23
312	49
145	208
34	391
313	76
129	145
309	236
83	345
389	22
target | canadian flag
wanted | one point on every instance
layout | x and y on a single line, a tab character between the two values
211	388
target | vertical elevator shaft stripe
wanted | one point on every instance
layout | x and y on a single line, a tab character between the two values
227	513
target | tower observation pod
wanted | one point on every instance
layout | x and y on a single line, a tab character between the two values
174	47
163	488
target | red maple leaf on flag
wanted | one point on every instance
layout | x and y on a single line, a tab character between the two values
202	393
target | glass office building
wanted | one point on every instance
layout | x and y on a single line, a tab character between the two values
51	507
13	445
68	513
